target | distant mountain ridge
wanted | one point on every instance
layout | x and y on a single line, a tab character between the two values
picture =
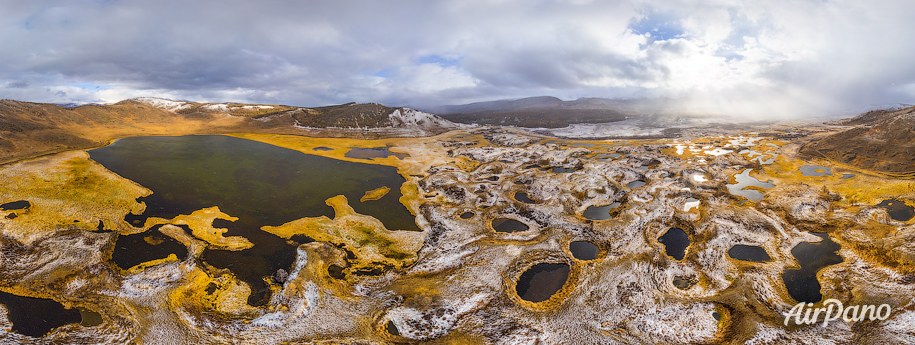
29	129
540	112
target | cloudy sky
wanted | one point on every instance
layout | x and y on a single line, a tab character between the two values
751	58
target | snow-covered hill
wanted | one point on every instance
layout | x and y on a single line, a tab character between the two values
411	118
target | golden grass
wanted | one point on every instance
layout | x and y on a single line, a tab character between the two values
364	235
66	190
862	189
227	296
375	194
201	224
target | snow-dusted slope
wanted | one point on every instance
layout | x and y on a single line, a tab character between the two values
411	118
162	103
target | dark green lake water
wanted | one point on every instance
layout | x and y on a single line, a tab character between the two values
541	281
36	317
675	242
261	184
802	282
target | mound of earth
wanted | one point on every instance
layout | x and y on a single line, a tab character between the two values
881	140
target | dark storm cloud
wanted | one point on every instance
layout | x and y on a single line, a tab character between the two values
790	58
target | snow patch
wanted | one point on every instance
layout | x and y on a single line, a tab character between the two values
162	103
411	118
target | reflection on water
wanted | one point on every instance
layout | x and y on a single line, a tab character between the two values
15	205
583	250
132	250
36	317
599	212
89	318
815	170
802	283
748	253
675	242
260	184
635	184
508	225
370	153
523	197
744	180
541	281
898	209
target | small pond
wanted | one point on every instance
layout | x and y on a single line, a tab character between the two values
675	242
541	281
508	225
563	170
15	205
802	283
898	209
744	180
600	212
815	170
373	152
749	253
584	250
523	197
635	184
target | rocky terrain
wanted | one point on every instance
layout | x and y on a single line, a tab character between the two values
492	204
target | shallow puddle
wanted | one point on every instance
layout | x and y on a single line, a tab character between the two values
322	148
541	281
599	212
370	153
744	180
584	250
675	242
467	215
89	318
815	170
802	283
898	209
36	317
523	197
607	156
261	184
635	184
562	170
508	225
749	253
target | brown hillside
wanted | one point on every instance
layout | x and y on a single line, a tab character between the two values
881	140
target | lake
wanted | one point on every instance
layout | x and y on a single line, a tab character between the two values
261	184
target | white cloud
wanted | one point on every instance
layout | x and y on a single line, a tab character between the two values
782	58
